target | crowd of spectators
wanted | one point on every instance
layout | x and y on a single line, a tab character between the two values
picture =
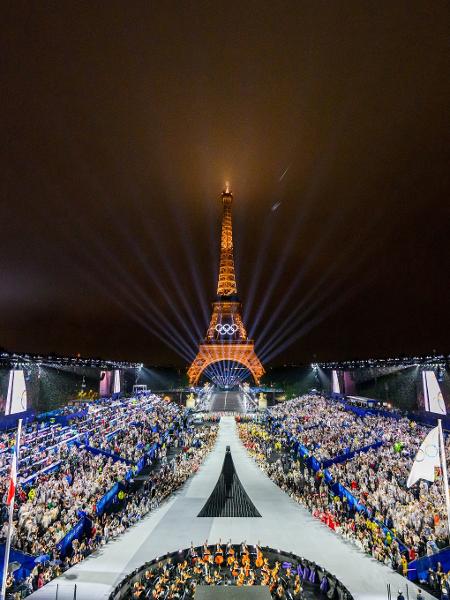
378	479
130	507
143	429
39	448
311	490
50	507
398	523
327	429
73	477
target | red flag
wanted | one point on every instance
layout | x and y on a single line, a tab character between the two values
12	480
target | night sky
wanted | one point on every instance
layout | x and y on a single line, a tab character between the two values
121	122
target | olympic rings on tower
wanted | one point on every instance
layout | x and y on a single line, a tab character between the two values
226	328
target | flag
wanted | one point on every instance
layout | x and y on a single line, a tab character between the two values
427	459
12	479
433	399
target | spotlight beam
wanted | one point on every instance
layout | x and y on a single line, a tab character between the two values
294	286
347	253
192	260
329	291
318	319
159	322
168	297
258	269
94	241
127	235
154	310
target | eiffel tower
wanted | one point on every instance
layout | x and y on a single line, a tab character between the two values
226	339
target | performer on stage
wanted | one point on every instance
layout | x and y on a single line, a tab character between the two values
177	577
218	556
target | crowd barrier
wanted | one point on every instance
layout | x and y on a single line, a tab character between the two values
364	412
50	469
350	454
67	419
339	490
76	533
99	451
26	562
111	434
50	414
106	500
140	465
10	421
418	569
317	465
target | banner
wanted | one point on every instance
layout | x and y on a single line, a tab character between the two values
432	395
105	383
66	419
26	561
116	384
16	399
335	388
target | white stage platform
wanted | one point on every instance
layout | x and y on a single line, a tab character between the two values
283	524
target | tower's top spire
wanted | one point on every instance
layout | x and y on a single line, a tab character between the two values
226	285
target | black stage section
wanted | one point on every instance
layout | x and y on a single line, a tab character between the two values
228	498
232	592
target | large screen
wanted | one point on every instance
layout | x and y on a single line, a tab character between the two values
16	396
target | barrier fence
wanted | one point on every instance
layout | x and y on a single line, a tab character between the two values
83	526
418	568
10	421
350	454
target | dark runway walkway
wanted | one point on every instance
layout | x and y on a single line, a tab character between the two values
227	401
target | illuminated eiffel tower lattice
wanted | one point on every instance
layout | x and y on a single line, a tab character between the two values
226	339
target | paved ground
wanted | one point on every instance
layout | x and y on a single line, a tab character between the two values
227	401
284	524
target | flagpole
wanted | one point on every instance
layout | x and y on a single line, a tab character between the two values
11	514
444	473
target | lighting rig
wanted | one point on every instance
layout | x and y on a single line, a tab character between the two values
10	359
441	360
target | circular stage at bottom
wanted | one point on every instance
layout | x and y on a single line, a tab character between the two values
230	572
